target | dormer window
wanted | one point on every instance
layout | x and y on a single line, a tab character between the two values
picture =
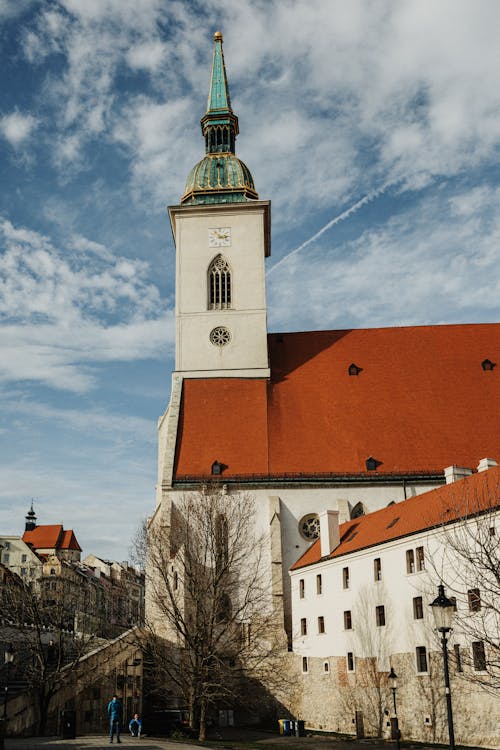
354	369
488	365
216	468
371	464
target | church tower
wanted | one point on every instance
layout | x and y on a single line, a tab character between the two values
222	235
30	519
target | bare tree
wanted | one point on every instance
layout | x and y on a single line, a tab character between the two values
212	627
39	623
468	563
373	630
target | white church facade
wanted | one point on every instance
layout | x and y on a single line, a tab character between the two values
345	421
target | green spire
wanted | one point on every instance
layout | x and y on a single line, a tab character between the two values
219	124
220	177
218	95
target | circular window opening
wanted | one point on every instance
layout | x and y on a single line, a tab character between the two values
220	336
309	526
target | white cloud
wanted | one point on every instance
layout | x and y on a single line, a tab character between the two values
430	264
148	55
16	128
64	312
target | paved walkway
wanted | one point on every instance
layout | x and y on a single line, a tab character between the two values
149	743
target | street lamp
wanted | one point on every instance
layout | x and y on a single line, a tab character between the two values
442	609
8	659
393	681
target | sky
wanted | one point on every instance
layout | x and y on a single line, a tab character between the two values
374	128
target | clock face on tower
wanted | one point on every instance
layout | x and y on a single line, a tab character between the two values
219	237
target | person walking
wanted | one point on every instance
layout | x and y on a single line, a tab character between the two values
115	717
135	726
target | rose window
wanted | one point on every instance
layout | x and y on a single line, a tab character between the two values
220	336
309	526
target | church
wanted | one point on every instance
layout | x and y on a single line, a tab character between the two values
338	420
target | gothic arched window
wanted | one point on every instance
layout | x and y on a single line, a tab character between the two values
219	284
358	510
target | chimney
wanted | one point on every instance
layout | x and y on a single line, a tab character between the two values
454	473
486	463
329	531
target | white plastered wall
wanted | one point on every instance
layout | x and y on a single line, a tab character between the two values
246	353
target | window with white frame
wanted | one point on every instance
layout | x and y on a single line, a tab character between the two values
420	555
421	656
410	561
321	624
474	600
347	620
478	656
377	569
319	584
302	588
418	608
345	578
380	615
303	626
350	661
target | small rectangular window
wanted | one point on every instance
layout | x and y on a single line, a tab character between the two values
421	653
410	561
380	615
305	664
319	584
303	626
350	661
478	656
23	571
302	588
458	657
24	558
347	620
321	624
6	557
474	598
377	569
418	608
6	545
326	666
420	558
345	578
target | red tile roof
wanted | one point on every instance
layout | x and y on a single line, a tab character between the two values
51	537
69	541
475	494
420	402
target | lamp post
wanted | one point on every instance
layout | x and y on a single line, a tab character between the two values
442	609
393	681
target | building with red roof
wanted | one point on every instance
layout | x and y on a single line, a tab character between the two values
348	421
51	539
309	421
360	604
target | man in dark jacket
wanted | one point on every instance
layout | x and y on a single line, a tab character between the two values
115	717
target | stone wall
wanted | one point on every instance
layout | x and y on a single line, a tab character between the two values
328	697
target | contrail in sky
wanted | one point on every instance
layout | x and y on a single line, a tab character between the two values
348	212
